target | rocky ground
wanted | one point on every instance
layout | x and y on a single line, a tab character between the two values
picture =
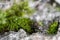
45	13
22	35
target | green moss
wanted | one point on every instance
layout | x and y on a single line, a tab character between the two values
15	23
12	19
53	28
20	9
25	23
12	23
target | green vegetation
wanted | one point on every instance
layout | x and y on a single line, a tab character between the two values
53	28
20	9
25	23
2	20
12	19
15	23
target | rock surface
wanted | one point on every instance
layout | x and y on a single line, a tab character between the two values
45	13
15	35
22	35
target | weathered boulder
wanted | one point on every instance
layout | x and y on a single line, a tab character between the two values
15	35
21	35
38	36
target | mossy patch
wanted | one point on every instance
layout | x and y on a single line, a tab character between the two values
53	28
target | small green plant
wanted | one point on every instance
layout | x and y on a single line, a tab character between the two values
15	23
12	23
25	23
12	19
20	9
3	20
53	28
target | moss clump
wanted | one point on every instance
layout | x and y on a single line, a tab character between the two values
15	23
20	9
3	20
25	23
12	19
53	28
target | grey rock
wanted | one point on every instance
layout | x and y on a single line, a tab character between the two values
34	36
21	33
15	35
